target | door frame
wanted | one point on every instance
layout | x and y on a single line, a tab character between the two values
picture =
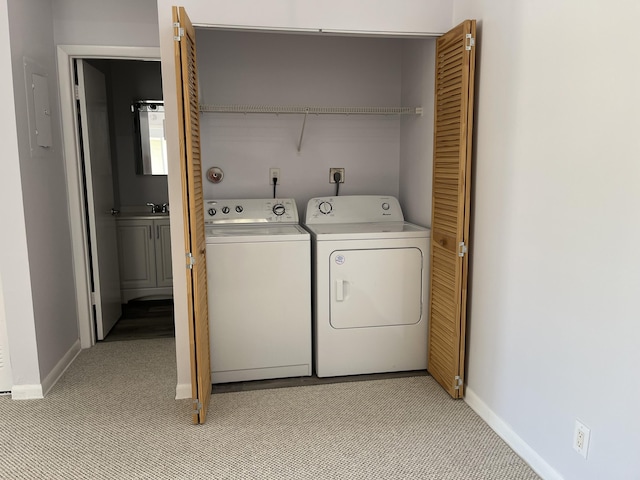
66	54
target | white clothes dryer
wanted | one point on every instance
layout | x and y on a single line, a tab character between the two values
259	290
371	286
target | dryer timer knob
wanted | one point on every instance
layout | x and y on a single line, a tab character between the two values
385	206
325	207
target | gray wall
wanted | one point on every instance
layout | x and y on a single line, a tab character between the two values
45	210
127	82
416	134
285	69
130	81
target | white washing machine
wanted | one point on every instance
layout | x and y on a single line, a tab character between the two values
371	286
259	287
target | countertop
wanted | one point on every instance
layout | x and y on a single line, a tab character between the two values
141	216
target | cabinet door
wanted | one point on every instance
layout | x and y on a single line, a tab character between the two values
164	274
136	253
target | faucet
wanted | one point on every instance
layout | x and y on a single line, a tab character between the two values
154	207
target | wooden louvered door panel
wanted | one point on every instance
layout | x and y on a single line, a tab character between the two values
189	125
455	65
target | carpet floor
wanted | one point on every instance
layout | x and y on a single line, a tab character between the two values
113	416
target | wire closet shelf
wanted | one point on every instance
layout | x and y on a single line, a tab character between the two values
314	110
295	109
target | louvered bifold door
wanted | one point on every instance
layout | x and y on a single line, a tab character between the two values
189	125
455	64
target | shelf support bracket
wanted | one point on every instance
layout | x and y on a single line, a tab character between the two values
304	122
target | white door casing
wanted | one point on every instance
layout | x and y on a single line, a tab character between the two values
96	151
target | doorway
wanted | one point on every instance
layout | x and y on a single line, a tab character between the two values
115	61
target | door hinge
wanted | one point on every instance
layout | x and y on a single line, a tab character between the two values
197	406
471	42
179	32
462	249
93	298
458	382
190	261
76	92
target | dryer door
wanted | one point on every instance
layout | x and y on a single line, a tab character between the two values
376	287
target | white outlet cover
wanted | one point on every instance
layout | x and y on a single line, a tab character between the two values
274	172
581	430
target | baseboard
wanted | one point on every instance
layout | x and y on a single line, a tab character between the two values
183	390
54	375
26	392
504	431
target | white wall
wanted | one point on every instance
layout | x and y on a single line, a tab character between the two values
416	141
113	22
6	374
553	322
18	304
48	291
400	16
285	69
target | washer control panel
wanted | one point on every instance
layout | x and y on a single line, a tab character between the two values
253	210
353	209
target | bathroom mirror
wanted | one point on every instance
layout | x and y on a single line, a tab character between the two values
152	145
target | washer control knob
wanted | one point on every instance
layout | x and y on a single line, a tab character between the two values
325	207
279	209
239	208
212	211
225	210
385	206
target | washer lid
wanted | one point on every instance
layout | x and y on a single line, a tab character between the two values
364	231
255	233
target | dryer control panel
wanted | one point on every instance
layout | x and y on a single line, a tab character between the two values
353	209
251	211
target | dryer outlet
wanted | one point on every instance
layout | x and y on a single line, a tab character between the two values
332	173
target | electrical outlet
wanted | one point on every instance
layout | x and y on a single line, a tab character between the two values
581	436
332	171
274	173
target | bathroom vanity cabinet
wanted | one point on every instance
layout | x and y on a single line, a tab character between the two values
144	251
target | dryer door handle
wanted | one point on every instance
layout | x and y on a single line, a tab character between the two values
340	290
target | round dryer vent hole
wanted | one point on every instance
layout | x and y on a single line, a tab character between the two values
215	175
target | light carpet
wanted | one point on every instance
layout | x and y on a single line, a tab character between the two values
113	416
